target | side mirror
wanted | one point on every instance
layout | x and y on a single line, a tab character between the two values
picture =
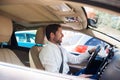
92	23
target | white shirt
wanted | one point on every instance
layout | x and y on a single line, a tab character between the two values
51	59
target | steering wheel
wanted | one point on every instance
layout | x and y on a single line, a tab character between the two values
92	58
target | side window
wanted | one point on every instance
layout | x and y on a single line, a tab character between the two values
30	38
26	38
21	37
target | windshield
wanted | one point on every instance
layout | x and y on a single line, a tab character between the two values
105	22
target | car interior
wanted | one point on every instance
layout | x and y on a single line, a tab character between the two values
20	15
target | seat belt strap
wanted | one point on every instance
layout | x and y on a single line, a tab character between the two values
61	67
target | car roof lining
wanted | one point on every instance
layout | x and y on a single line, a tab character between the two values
44	12
38	13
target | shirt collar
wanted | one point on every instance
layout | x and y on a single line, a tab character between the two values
52	44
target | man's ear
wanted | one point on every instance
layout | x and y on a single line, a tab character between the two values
52	35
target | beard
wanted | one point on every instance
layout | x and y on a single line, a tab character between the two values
57	41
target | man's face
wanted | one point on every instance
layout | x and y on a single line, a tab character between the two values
58	36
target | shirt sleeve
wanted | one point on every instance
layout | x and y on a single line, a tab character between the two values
77	59
47	60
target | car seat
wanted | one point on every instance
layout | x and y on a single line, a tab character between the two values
35	50
7	55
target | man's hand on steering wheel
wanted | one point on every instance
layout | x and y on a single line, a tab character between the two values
91	51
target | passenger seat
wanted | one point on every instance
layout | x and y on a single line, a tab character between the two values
7	55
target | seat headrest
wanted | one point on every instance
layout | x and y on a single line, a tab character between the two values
39	39
5	29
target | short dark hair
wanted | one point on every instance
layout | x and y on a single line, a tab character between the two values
51	28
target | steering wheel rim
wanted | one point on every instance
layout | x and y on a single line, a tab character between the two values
92	58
